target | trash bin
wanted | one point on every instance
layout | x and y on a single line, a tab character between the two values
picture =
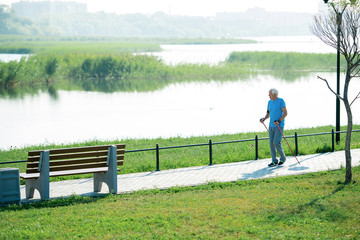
9	185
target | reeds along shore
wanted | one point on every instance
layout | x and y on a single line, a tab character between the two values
138	72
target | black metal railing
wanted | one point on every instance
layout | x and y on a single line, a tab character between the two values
210	144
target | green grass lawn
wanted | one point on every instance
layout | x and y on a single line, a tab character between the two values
311	206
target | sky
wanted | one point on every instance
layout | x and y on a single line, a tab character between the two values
194	7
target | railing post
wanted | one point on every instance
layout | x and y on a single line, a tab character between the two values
256	148
296	145
210	152
332	140
157	158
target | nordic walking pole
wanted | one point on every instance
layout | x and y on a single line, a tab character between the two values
251	147
265	126
287	143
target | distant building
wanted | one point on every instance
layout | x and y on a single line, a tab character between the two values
261	15
32	9
259	22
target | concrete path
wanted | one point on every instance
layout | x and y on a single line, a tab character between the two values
193	176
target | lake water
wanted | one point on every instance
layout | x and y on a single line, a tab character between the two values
213	54
191	109
11	57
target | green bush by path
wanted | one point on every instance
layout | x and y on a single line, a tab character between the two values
311	206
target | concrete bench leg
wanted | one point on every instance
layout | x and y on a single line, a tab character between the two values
30	187
42	183
98	181
110	177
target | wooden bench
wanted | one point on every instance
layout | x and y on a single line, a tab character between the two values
102	161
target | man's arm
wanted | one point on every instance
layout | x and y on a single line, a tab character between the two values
266	117
284	110
284	114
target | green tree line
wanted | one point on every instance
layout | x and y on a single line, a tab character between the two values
257	22
10	23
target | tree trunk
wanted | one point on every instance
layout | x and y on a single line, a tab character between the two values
348	174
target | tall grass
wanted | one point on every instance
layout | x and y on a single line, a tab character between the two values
63	45
97	45
128	72
286	61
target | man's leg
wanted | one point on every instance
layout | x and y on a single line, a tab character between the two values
272	134
277	144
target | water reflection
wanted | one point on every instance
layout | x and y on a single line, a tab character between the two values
182	109
113	85
12	57
53	93
213	54
20	92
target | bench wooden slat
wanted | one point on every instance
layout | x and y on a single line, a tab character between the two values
74	162
73	167
77	167
75	155
65	173
69	162
71	156
70	167
79	155
78	149
70	150
79	171
82	155
121	151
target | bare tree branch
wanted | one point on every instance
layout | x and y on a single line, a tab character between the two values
342	27
330	87
357	96
355	73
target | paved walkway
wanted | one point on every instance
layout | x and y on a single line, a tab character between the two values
193	176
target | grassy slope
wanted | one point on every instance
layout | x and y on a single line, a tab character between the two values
312	206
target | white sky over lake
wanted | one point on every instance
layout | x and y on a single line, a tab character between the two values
195	7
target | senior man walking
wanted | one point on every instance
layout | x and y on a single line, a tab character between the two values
276	110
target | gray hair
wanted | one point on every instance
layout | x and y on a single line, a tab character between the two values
274	91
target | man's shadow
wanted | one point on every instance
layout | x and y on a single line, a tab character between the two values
267	171
261	173
299	167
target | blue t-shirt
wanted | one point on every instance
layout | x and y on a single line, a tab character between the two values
275	109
